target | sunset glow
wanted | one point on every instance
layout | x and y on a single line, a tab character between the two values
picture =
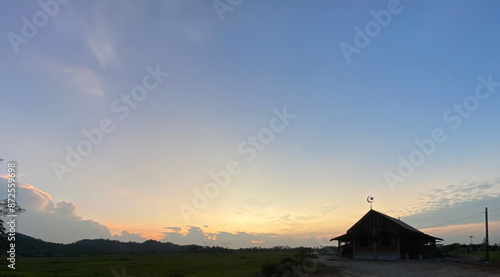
267	125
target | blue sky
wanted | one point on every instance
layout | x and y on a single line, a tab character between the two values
227	78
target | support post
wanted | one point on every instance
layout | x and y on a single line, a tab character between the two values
399	248
338	249
353	248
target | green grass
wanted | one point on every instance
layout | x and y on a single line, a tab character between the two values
494	255
175	265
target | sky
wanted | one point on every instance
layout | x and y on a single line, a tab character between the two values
250	123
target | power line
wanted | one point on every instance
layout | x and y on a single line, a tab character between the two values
453	221
459	219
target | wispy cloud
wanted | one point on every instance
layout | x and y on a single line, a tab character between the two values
93	28
449	196
175	229
103	50
298	220
85	80
79	78
266	211
99	39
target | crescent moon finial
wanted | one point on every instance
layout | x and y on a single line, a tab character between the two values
370	199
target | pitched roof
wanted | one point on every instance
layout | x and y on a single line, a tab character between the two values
389	218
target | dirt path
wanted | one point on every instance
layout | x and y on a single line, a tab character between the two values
350	268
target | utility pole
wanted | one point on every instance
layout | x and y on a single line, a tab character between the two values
487	239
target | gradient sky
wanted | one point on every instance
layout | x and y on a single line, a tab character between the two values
229	75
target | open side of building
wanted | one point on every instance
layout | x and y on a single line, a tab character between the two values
377	236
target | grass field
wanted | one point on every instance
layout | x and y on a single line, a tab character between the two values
164	265
178	265
494	255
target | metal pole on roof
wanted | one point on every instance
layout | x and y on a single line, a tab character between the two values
370	200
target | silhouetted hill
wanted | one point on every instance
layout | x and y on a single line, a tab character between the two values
104	246
29	246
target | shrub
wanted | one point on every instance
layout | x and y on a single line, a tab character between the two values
268	269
